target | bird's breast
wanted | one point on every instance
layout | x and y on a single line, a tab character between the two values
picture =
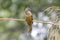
29	20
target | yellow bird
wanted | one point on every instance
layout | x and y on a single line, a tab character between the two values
29	18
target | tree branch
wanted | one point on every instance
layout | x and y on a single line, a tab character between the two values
23	20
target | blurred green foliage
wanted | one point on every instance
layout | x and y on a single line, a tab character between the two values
15	9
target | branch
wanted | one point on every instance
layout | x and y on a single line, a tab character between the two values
12	19
23	20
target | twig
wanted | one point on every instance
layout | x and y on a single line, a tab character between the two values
12	19
23	20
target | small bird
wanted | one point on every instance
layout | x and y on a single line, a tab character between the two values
29	18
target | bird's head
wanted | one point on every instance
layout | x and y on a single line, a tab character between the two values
27	11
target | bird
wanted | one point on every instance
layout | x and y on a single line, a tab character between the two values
29	18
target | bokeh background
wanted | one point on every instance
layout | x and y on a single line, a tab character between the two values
16	30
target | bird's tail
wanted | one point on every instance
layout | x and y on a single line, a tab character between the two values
30	29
